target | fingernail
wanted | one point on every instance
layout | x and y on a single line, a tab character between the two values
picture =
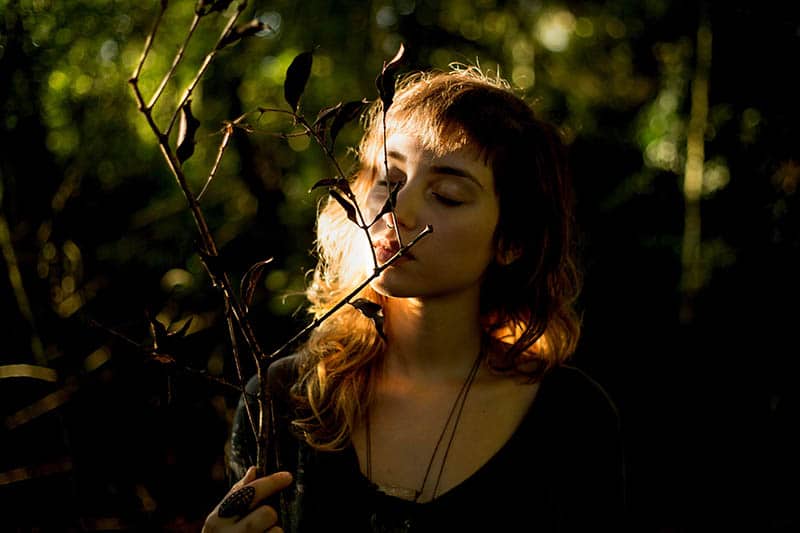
284	476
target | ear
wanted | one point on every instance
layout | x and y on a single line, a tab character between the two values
506	254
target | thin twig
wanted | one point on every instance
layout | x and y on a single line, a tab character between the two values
329	154
375	273
233	307
175	62
224	144
149	41
206	62
238	365
388	184
235	317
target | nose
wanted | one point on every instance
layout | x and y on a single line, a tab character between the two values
405	210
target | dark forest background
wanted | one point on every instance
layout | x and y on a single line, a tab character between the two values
697	350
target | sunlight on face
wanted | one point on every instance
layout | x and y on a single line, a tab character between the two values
451	191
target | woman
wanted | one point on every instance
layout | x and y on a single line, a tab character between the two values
459	414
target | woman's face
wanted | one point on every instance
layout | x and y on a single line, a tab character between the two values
454	193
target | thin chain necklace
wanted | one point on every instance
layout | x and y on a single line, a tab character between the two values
456	409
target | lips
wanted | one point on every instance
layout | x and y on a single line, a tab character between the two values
385	249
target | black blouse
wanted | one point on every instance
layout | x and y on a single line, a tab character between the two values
561	471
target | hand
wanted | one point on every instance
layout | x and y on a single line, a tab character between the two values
241	509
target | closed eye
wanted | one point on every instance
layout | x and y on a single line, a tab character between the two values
444	200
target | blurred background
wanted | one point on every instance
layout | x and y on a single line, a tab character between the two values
682	123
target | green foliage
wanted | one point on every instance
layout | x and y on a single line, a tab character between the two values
592	68
98	227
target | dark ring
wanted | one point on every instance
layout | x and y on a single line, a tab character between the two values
237	503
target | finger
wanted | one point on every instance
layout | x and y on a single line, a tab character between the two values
269	485
248	476
239	501
275	529
261	519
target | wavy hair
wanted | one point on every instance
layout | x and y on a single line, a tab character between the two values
528	292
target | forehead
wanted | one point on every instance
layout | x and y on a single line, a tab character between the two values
431	130
412	144
467	157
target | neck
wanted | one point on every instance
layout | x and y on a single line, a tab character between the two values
432	339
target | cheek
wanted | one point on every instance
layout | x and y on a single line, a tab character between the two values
470	242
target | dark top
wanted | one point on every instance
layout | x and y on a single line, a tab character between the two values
561	471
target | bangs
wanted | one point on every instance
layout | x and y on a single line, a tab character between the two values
445	112
434	132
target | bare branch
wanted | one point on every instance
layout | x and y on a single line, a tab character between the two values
206	62
362	223
389	185
280	352
149	42
237	363
235	310
223	145
175	62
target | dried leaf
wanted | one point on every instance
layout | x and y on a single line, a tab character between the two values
186	132
348	207
339	183
204	7
390	202
184	329
385	80
167	346
242	31
158	332
347	113
296	78
250	282
371	310
326	114
323	117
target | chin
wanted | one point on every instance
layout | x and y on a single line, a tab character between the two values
393	285
391	290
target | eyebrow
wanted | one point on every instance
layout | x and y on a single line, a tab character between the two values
441	169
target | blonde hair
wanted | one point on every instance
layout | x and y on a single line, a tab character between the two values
526	302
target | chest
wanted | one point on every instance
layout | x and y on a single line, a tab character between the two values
428	441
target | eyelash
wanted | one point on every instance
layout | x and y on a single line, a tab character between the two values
444	200
449	202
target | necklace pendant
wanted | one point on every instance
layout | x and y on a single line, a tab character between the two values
413	495
403	493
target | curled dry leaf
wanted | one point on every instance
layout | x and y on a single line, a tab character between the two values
339	183
385	80
186	132
324	117
296	78
347	113
390	202
250	282
167	346
371	310
204	7
348	207
242	31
